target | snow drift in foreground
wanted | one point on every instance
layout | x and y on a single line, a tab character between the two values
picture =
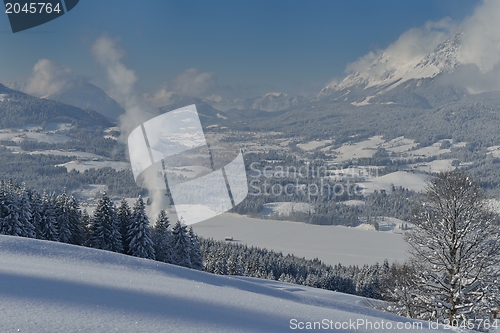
54	287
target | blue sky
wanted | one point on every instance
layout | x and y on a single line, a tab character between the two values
245	48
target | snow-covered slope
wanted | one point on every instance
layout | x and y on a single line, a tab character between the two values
385	71
53	287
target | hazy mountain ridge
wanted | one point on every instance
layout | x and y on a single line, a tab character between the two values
270	102
208	115
88	96
81	94
20	109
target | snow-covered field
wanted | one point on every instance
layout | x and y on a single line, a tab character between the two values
21	135
494	151
353	202
331	244
432	150
386	224
85	165
411	181
399	145
358	150
52	287
433	166
311	145
68	153
286	208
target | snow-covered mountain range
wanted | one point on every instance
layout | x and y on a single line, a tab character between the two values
443	59
386	72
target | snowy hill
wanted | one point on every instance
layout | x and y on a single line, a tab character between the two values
54	287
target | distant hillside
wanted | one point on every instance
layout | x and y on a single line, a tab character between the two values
19	109
208	114
88	96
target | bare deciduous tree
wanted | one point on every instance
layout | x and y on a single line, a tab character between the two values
455	251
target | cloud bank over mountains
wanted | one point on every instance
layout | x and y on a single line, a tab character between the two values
468	51
190	82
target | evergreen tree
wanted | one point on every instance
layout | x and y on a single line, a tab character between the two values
48	225
220	263
139	233
36	209
181	246
234	266
162	238
104	227
25	213
62	215
76	225
10	223
195	254
86	228
125	220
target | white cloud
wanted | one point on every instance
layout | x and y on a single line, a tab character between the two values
48	79
162	97
121	80
481	42
120	77
192	82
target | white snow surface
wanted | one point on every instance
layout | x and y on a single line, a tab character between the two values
85	165
411	181
363	149
330	244
53	287
311	145
286	208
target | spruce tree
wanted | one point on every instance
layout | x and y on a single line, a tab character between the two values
195	254
48	225
10	223
36	211
162	238
125	220
181	246
86	228
139	233
75	221
62	215
25	214
104	227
